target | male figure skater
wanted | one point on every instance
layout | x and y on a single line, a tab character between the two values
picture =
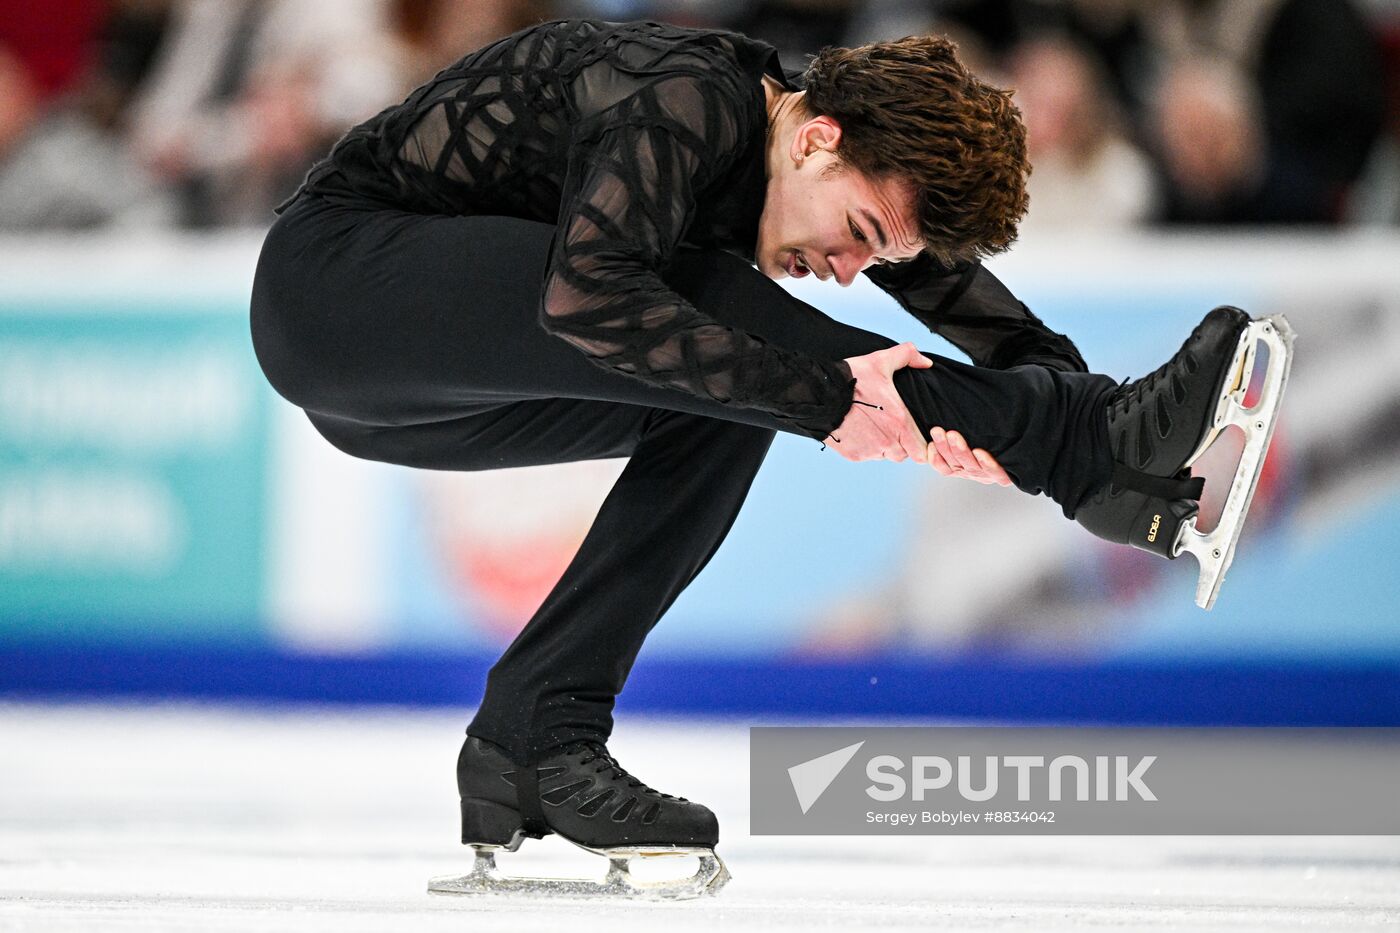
547	253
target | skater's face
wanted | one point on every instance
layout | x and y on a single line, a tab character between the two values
823	218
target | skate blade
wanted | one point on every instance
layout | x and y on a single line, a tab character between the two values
1242	368
1215	551
486	878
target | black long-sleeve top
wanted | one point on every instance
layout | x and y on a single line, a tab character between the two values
634	139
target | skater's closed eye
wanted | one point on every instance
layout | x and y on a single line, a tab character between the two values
860	237
881	240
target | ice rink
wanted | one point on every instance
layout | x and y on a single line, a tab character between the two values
210	818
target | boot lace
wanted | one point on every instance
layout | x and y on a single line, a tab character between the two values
1130	392
596	752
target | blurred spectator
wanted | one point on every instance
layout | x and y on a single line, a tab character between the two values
44	48
65	165
1109	31
247	93
1113	33
433	33
1299	81
1212	139
1086	172
130	39
1375	199
53	41
19	101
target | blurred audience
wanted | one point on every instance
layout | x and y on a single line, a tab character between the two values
19	101
1209	124
1268	109
1111	32
52	41
203	113
428	34
65	161
246	93
1087	172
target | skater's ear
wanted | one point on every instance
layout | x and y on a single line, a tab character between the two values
819	134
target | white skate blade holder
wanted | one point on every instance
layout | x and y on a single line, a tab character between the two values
486	878
1215	551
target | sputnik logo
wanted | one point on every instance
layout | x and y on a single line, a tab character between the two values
810	779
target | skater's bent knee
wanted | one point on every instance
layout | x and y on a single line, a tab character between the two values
346	436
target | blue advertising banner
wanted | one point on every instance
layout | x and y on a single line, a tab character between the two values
132	449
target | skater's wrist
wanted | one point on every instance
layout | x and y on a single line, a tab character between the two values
820	427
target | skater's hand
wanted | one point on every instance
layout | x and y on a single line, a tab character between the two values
949	454
878	426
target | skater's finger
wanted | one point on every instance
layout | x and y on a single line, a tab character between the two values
910	355
993	469
936	461
945	450
958	459
972	465
962	455
892	359
936	455
905	354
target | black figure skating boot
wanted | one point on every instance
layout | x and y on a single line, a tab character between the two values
1160	424
582	794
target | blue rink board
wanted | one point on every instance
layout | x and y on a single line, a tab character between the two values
1138	693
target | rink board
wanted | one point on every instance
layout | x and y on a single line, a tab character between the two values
1180	693
168	526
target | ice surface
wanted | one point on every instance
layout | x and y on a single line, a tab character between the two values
212	818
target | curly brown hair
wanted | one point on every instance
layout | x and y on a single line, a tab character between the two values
909	109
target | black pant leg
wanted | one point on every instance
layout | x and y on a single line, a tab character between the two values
664	519
533	432
659	526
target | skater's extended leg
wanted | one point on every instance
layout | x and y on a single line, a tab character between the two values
1069	433
1046	428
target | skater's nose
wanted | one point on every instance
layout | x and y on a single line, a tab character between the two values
845	266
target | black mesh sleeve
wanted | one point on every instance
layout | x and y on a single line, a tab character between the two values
629	198
969	307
